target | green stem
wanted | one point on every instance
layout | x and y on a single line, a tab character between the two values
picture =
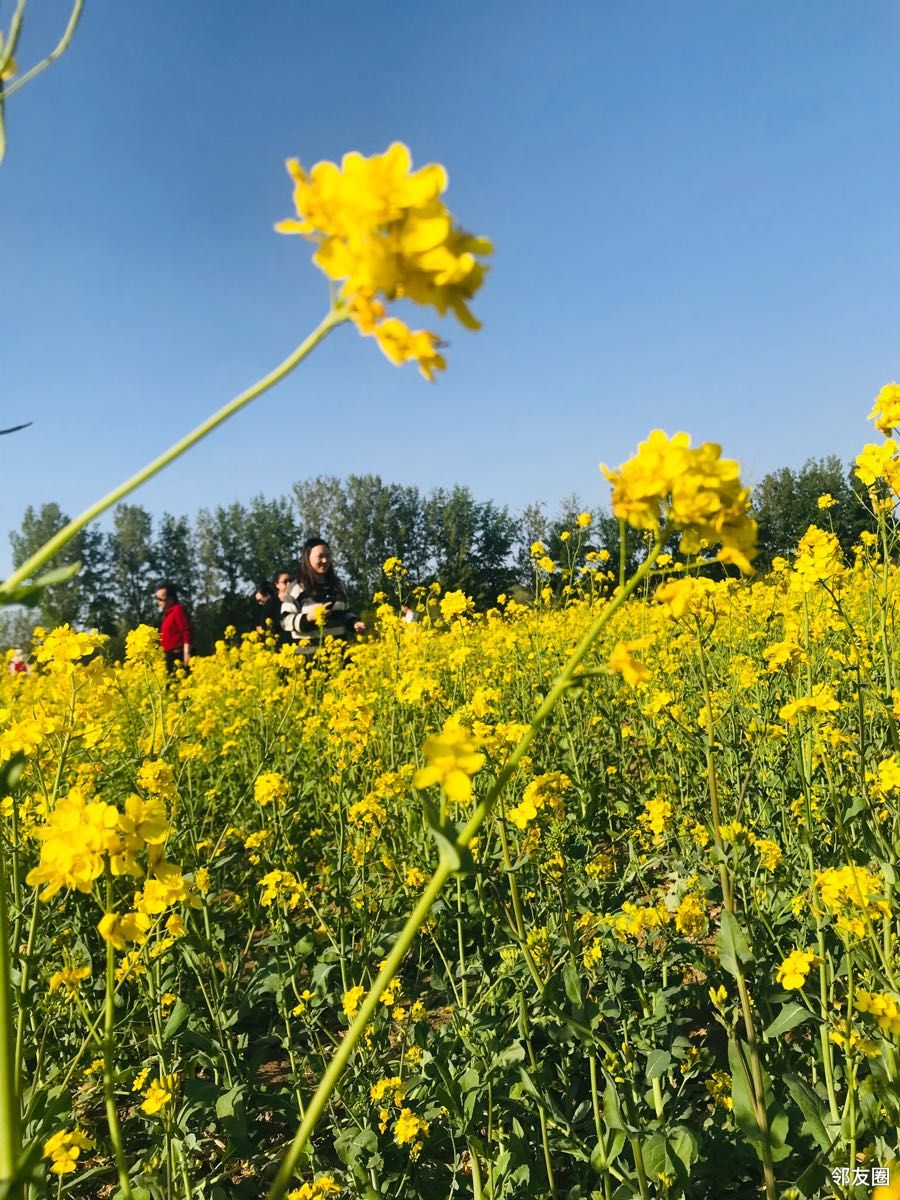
419	914
460	943
109	1020
23	990
334	317
757	1088
10	1141
60	48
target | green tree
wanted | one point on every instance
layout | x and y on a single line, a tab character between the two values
132	567
271	538
222	538
470	544
60	604
174	557
98	607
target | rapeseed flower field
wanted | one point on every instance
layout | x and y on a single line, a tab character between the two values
647	831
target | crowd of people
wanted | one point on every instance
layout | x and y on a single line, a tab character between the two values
299	609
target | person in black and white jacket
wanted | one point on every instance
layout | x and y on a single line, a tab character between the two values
315	607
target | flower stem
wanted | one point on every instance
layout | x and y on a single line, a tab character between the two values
109	1020
333	318
10	1143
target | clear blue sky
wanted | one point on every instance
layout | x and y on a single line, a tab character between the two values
694	207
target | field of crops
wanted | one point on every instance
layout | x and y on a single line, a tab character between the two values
664	963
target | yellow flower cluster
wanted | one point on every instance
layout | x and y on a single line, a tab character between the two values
455	604
636	921
323	1186
884	1007
82	834
142	645
691	916
544	791
793	970
281	887
879	461
719	1088
383	232
669	484
886	409
622	661
351	1000
452	757
654	820
821	700
849	893
160	1094
64	1149
409	1130
270	786
390	1084
69	978
819	557
60	649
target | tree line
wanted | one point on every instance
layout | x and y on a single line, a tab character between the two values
446	535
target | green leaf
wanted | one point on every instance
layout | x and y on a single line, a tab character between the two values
853	810
813	1108
743	1108
508	1057
30	593
11	772
791	1015
612	1111
658	1062
655	1154
742	1090
600	1159
731	944
572	984
177	1018
228	1104
684	1146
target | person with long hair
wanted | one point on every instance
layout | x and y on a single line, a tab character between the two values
316	606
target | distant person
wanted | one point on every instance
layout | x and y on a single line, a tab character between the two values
408	614
175	629
316	606
18	663
270	614
283	581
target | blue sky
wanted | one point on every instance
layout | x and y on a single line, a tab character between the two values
694	207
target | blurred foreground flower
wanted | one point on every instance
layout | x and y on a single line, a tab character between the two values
383	232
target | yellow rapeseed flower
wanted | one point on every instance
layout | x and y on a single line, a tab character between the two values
69	978
691	489
160	1094
452	758
323	1186
64	1149
351	1000
622	660
382	231
886	409
793	970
